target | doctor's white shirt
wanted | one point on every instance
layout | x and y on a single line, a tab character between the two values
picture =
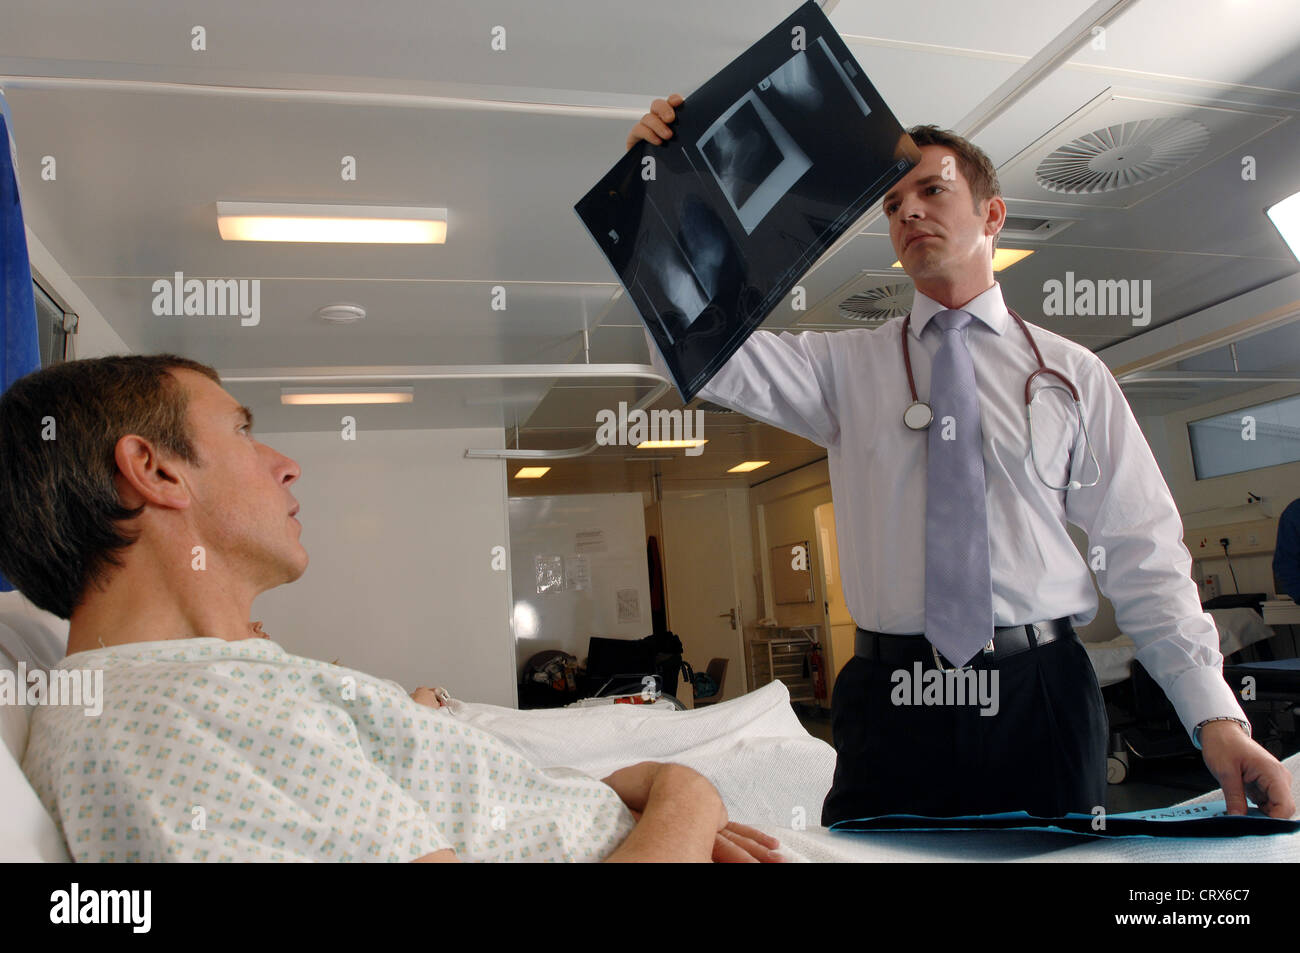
847	390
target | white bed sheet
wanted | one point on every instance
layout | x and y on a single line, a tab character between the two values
764	763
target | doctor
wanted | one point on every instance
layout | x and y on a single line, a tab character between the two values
961	569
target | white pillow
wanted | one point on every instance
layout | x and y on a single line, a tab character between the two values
48	640
27	832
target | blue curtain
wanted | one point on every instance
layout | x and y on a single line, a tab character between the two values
19	343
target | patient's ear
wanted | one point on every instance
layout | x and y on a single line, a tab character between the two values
145	476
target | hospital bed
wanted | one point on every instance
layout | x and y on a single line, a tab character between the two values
1143	723
770	772
1238	628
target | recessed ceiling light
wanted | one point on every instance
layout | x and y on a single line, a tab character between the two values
352	224
1002	257
341	395
1285	216
669	444
748	465
531	473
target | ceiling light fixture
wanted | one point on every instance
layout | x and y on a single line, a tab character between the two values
337	395
1002	257
669	444
531	473
1285	216
748	465
353	224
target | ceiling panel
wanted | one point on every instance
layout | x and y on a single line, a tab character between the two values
281	98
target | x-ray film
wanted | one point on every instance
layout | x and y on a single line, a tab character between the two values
771	161
1208	819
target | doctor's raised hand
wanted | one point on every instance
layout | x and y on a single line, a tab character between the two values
653	127
1245	769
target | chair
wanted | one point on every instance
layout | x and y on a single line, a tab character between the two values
717	671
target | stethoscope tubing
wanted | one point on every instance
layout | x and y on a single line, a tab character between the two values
1043	369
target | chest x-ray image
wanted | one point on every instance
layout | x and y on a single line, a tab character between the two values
771	161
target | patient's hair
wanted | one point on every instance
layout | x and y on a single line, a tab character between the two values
976	167
58	498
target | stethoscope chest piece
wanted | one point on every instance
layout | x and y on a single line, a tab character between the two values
918	415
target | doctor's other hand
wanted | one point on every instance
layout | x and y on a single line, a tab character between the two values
1244	768
653	127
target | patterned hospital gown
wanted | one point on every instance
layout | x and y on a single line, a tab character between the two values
208	750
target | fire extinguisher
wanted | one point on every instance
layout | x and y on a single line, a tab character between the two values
818	667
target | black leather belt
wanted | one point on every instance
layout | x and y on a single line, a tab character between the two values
1007	641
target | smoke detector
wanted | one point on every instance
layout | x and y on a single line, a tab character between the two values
1121	156
342	313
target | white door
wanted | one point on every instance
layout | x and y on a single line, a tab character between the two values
839	623
700	584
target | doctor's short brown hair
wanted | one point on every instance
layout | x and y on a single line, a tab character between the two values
976	167
59	428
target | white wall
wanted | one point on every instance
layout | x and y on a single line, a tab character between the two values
606	533
399	528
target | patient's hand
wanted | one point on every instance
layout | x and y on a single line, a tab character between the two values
740	844
734	843
426	696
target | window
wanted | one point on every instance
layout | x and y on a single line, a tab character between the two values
1264	435
49	326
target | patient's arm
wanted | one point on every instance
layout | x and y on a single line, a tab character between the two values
681	814
445	856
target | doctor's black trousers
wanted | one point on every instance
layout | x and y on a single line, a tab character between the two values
1043	752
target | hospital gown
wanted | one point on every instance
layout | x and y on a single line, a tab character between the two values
208	750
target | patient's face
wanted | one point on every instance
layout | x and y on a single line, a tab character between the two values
240	494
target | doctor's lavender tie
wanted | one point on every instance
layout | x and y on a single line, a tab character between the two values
958	587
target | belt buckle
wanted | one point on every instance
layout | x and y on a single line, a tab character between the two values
938	659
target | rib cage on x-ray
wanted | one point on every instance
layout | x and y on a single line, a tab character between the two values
753	156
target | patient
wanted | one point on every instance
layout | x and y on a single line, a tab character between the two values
137	504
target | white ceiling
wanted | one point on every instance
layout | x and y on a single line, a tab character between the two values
149	135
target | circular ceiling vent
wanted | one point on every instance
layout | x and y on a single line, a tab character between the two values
878	304
1118	157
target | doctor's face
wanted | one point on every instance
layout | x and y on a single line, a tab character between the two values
241	509
937	229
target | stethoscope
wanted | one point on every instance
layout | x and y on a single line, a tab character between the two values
919	416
